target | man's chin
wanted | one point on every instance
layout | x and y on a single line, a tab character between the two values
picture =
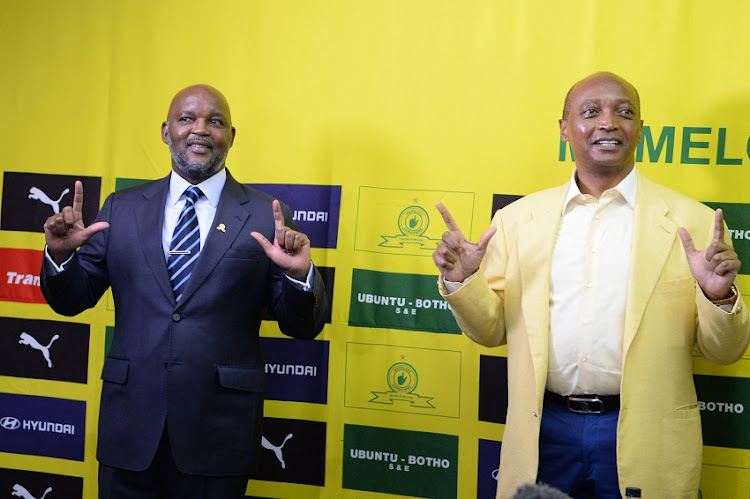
198	171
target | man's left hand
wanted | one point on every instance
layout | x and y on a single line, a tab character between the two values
290	249
715	267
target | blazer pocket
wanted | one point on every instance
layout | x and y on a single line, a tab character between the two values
683	285
245	253
241	378
115	370
688	411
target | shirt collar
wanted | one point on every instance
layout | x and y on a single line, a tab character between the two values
626	188
211	187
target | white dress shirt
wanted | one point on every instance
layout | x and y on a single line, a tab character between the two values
588	289
205	207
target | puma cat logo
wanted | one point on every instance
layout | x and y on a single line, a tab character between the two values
276	450
27	339
37	193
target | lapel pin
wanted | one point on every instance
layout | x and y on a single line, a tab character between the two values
222	228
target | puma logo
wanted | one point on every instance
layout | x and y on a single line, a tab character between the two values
27	339
276	450
20	491
37	193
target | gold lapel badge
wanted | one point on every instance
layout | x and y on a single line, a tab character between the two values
222	228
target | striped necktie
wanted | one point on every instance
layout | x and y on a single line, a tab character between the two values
186	243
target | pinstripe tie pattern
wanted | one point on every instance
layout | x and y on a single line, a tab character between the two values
186	243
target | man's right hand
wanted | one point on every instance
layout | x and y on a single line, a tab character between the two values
455	257
65	232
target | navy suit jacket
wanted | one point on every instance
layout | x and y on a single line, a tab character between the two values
196	364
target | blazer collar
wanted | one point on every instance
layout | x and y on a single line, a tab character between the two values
537	231
653	237
149	217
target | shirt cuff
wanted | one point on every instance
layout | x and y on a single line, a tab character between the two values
453	286
302	286
51	267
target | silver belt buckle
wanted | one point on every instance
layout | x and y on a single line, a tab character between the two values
589	405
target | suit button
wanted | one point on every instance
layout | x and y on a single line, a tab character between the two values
176	317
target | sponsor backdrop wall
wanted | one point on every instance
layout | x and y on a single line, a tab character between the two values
359	115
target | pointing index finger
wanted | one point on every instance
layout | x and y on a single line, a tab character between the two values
719	225
448	219
78	200
278	218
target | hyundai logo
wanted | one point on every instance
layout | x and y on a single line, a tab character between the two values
10	423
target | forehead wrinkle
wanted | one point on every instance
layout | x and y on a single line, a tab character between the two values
622	100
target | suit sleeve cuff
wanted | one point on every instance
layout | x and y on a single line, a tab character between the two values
309	283
51	267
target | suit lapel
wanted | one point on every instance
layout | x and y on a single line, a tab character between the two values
536	238
653	237
150	230
231	215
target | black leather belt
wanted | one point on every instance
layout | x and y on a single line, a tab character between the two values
585	404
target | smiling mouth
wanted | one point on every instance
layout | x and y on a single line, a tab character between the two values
199	146
608	143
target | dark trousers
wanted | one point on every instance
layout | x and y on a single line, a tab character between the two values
578	452
163	480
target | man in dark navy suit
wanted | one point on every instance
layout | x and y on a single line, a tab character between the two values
182	394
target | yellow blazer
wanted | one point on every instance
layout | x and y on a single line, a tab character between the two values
659	441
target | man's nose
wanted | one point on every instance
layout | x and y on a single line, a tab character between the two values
200	127
607	120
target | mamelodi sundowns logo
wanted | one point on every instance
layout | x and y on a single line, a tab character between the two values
405	221
724	403
403	379
399	301
19	275
410	463
737	218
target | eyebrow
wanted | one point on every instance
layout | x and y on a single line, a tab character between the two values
598	101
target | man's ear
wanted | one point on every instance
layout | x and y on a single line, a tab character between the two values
165	132
564	130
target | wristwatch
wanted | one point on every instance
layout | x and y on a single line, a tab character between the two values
727	301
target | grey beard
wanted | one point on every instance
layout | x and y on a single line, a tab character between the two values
198	171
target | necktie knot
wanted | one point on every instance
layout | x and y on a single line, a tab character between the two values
192	194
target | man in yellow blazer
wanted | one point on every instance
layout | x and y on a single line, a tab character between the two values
600	293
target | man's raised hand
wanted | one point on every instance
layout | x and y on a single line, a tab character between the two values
290	249
64	232
455	257
715	267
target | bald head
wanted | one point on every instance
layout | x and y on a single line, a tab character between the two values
207	91
602	76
